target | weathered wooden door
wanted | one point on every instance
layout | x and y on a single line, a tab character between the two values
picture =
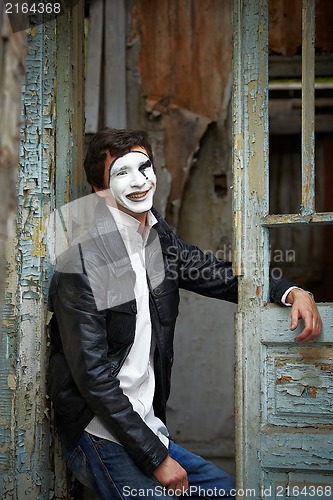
284	411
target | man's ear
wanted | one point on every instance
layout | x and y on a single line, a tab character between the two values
100	191
105	193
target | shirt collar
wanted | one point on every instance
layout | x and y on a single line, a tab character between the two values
127	224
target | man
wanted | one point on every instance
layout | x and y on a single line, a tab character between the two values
115	298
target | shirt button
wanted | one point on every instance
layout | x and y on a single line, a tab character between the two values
133	307
157	291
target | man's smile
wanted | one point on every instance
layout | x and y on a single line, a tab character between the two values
138	195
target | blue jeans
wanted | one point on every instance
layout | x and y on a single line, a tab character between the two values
106	468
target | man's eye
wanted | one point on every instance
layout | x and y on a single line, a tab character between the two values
146	165
122	172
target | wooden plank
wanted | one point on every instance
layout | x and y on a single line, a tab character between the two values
250	203
94	62
115	64
297	377
78	177
298	86
280	317
12	55
296	449
25	310
308	108
70	180
322	218
291	66
30	460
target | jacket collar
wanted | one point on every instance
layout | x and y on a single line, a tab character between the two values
109	240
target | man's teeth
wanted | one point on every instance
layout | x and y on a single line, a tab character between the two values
137	195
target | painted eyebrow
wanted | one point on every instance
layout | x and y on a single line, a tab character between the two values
119	169
128	152
146	164
125	166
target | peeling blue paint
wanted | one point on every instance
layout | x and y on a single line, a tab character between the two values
24	430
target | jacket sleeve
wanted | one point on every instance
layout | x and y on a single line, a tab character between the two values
207	275
83	335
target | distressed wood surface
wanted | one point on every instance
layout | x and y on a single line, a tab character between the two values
94	62
185	73
31	463
298	380
185	53
115	108
250	203
25	314
308	107
70	176
285	27
11	70
298	219
283	388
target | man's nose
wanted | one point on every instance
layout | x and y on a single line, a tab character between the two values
138	179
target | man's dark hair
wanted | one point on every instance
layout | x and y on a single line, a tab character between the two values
117	142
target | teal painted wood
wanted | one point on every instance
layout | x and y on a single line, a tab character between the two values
26	429
298	378
250	204
296	408
283	389
250	127
31	463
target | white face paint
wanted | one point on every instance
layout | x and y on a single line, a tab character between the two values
133	182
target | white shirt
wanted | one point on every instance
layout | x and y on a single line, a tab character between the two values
136	376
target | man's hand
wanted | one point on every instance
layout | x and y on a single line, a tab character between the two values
303	306
171	475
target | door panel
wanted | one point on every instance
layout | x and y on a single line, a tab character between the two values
296	406
284	389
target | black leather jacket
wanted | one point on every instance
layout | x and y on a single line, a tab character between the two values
91	333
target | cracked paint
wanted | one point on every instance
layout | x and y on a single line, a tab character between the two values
303	386
31	457
25	430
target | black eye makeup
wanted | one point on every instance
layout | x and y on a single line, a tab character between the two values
122	171
145	165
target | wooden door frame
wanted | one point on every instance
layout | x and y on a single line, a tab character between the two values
251	222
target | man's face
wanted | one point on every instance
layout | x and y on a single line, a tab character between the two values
132	181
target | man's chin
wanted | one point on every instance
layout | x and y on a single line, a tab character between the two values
136	207
135	211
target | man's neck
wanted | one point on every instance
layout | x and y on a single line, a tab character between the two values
141	218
